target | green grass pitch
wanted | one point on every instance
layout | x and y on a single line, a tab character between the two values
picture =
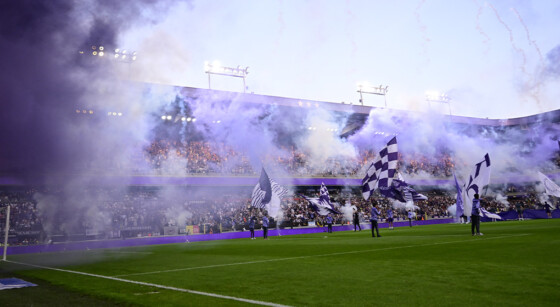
515	263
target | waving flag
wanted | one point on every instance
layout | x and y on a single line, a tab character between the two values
266	192
262	193
381	172
478	179
489	215
459	202
401	191
322	205
410	194
550	187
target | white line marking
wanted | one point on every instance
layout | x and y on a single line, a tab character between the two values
156	285
323	255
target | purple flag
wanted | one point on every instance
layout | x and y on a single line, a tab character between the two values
459	201
381	172
322	205
262	193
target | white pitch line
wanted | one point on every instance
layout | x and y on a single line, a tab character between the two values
322	255
156	285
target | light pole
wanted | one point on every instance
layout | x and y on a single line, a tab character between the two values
366	88
435	96
215	68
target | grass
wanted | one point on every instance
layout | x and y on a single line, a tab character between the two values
513	264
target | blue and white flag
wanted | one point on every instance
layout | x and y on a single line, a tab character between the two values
550	187
267	192
459	202
382	170
14	283
322	205
409	194
401	191
262	192
478	179
489	215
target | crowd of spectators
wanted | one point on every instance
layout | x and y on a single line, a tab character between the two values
210	158
145	212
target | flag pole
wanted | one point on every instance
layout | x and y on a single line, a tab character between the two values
6	232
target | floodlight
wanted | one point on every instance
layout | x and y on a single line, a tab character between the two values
216	68
364	87
436	96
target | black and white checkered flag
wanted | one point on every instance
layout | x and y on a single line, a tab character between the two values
382	170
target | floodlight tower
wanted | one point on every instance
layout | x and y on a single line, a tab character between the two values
215	68
366	88
435	96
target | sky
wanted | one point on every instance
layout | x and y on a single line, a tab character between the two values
495	59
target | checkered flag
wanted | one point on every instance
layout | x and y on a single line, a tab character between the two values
262	193
381	172
324	192
322	205
265	191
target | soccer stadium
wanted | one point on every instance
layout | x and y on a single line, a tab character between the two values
118	189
